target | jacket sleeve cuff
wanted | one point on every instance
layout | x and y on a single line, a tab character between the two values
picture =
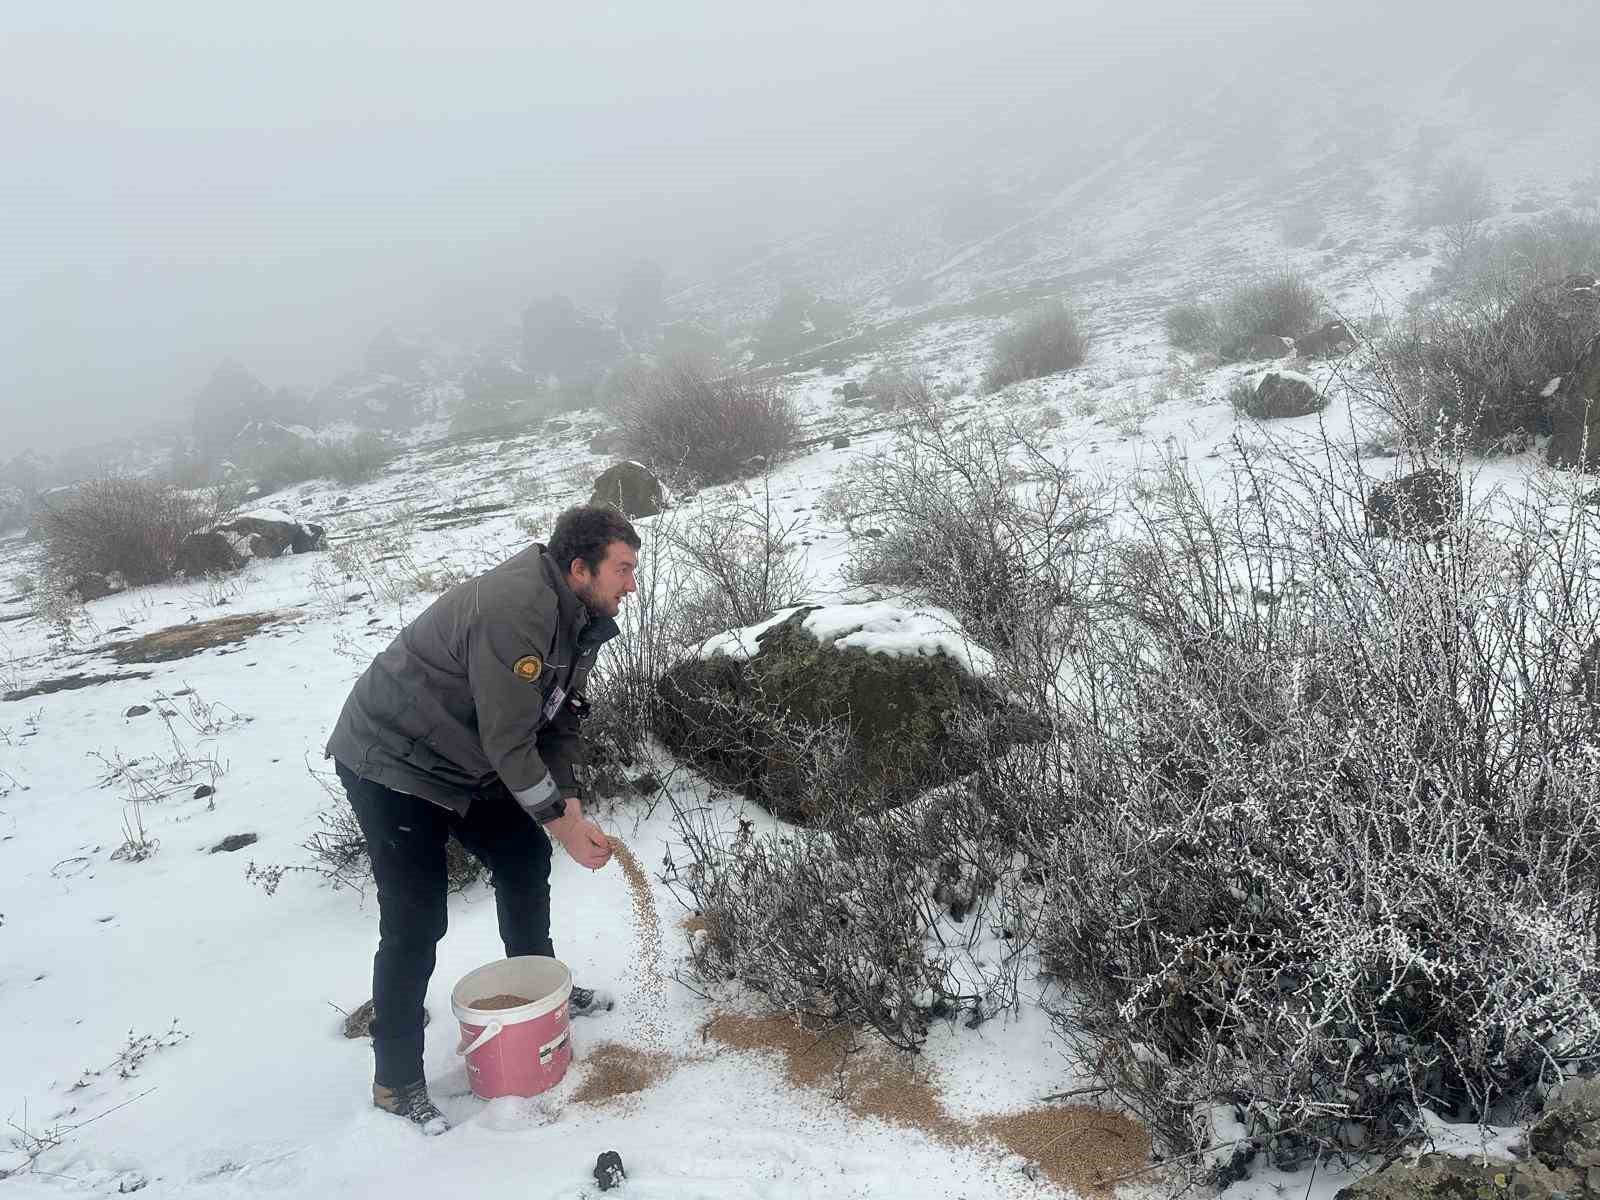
543	800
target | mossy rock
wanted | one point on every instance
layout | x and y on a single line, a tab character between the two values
631	489
1443	1177
908	722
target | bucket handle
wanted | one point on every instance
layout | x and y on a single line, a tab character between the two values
486	1034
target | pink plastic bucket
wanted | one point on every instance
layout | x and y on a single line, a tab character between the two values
518	1051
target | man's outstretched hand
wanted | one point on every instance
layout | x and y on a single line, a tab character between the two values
583	839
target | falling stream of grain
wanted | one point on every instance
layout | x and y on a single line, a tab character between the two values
648	999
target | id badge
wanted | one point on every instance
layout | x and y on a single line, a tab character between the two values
553	705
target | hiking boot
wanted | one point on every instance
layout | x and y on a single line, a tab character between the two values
586	1002
412	1103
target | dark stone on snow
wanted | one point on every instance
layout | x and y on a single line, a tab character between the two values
1332	340
1279	397
608	1172
137	710
1417	507
841	442
234	841
630	488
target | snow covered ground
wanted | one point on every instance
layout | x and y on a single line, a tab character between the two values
167	1025
178	1029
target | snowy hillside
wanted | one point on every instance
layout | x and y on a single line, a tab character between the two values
169	1023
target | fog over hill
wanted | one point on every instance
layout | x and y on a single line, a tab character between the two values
186	189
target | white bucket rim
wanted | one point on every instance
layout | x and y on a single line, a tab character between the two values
531	1011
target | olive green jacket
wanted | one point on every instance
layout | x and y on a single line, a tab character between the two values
467	695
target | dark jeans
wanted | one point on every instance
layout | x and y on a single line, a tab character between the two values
406	837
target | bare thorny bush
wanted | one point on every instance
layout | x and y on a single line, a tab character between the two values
1333	853
703	570
893	917
983	519
1476	361
692	418
126	526
1315	841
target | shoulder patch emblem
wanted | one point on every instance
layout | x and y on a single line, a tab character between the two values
529	667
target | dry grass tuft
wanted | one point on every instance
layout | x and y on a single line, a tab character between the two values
181	641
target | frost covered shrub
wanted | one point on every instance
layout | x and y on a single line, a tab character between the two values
980	520
355	460
1456	192
899	390
1549	250
117	525
1283	305
1048	339
1193	326
689	418
1330	851
1475	361
1478	367
869	916
738	564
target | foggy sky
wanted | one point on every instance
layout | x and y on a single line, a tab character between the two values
182	183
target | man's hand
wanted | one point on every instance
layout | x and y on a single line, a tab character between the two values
583	839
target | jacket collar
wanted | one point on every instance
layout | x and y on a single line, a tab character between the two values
587	630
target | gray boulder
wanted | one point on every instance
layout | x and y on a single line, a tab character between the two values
1417	507
909	719
1561	1162
630	488
1331	341
1280	395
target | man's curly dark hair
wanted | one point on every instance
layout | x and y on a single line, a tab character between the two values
586	531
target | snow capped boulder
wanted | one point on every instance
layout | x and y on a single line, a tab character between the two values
1416	507
269	533
1575	415
630	488
1282	394
911	697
